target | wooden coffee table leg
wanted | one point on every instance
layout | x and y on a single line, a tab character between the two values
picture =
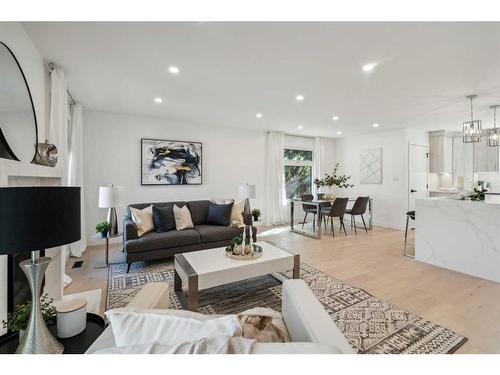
177	281
296	266
193	293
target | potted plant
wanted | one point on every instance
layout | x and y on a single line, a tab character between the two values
18	320
329	181
103	227
256	214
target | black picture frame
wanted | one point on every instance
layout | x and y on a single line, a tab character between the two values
161	140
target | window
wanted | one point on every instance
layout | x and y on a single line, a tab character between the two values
298	172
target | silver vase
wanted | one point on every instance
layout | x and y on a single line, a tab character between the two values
37	339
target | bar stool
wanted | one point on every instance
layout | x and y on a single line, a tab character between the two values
409	215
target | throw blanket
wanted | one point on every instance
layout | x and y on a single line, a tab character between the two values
263	324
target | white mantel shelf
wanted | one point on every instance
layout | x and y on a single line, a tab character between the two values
13	168
459	235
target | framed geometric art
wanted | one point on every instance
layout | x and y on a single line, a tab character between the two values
371	166
167	162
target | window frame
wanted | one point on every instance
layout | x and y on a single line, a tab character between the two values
298	163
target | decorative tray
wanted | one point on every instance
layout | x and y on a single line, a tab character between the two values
257	253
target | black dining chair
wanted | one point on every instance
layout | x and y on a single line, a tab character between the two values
337	209
309	209
358	209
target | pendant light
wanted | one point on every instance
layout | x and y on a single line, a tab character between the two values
494	134
471	130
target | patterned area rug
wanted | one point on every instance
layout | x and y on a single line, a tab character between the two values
369	324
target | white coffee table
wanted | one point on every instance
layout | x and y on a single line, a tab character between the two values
209	268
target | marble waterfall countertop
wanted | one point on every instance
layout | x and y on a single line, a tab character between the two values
460	235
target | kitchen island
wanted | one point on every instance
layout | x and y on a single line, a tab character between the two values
463	236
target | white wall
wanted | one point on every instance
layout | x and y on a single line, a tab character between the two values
112	156
390	198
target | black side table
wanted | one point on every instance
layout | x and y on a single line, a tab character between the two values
72	345
106	254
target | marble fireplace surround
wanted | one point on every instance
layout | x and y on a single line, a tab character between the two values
15	173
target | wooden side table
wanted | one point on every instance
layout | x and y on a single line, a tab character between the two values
106	256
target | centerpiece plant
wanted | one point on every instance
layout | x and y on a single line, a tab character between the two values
333	180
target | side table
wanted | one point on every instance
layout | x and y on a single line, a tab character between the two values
106	256
72	345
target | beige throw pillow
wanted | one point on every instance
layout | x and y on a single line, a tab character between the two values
182	218
236	216
143	219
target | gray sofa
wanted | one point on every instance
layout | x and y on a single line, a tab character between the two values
159	245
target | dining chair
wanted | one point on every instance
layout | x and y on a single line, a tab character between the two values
337	209
358	209
309	209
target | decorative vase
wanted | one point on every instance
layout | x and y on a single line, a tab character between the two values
104	233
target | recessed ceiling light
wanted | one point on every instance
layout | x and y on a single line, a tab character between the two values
158	100
300	127
375	125
368	67
335	118
339	133
299	98
173	69
258	115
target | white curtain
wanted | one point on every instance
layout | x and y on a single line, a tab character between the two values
75	170
59	117
58	134
317	172
275	194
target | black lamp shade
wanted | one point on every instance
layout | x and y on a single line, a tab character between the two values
38	218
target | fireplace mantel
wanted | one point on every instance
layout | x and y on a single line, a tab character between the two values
15	173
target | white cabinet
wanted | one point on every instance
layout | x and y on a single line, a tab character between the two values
440	152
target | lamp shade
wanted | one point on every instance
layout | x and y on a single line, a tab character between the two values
247	191
38	218
108	196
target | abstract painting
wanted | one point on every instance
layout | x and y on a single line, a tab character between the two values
166	162
371	166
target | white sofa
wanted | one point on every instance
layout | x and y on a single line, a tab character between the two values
311	329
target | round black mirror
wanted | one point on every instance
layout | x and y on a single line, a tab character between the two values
18	126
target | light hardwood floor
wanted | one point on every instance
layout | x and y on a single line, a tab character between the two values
372	261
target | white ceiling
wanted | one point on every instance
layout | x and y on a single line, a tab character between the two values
231	71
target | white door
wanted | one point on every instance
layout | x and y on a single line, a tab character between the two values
418	167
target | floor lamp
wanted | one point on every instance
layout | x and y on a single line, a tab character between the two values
34	219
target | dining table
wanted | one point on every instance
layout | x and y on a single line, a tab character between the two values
319	203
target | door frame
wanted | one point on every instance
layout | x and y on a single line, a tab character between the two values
408	194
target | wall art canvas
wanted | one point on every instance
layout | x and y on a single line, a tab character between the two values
166	162
371	166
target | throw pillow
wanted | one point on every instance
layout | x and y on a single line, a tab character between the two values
219	214
163	218
182	218
236	216
139	327
143	219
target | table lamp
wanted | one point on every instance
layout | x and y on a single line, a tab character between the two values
109	198
247	192
34	219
